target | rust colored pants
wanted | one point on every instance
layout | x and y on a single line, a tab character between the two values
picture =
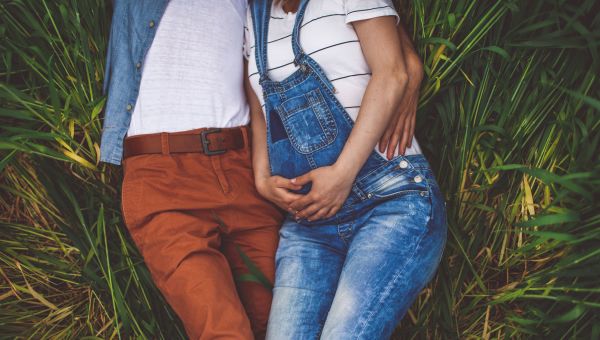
188	214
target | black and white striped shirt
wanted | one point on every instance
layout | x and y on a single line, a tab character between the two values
328	36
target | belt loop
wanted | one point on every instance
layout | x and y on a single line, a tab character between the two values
246	135
164	144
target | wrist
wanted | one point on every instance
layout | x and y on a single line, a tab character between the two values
260	180
347	170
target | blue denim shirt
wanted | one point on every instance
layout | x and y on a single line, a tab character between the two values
133	27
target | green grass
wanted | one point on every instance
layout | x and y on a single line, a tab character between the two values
509	118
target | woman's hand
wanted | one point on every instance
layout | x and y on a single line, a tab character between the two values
277	190
330	188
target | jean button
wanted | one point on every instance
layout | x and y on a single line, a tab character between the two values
403	164
418	179
151	23
369	195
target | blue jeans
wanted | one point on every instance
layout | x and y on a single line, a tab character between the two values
356	279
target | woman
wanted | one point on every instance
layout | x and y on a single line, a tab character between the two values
364	234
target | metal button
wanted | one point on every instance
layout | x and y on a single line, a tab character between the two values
418	179
138	65
423	193
369	195
129	107
151	23
403	164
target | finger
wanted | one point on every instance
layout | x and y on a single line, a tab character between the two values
395	138
319	214
309	211
302	202
389	131
302	180
411	133
289	198
332	211
404	140
286	183
383	142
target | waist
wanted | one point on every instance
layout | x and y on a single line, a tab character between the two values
208	141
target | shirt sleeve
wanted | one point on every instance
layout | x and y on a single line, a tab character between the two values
368	9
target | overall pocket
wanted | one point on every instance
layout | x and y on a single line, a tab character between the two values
308	122
391	181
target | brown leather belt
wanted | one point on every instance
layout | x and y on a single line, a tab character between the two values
206	141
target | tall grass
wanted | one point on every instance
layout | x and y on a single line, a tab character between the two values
509	118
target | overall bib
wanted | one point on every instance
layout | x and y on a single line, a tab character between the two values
354	275
307	127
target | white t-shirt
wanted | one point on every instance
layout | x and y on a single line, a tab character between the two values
192	75
328	36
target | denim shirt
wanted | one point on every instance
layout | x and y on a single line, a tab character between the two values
133	27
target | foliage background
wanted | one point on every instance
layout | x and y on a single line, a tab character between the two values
509	118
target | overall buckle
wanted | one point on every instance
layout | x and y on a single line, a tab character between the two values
206	142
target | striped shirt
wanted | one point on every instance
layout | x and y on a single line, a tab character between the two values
329	38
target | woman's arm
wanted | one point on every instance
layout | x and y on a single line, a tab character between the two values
274	188
331	185
400	132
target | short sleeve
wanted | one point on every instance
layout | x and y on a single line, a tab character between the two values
247	36
368	9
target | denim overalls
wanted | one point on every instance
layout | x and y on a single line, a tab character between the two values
355	274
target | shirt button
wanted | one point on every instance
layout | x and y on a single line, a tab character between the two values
138	65
403	164
151	23
129	107
418	179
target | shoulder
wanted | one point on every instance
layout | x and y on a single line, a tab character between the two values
367	9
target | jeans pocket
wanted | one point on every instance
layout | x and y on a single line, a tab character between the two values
395	183
308	122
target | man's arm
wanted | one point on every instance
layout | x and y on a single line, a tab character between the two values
399	133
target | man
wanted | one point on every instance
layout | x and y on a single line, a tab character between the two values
174	79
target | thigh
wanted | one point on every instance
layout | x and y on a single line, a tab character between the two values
308	263
251	255
181	247
391	258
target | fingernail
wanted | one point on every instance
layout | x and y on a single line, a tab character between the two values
293	180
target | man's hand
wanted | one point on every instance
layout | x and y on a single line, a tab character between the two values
399	134
277	190
330	188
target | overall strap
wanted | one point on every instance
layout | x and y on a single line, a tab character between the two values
261	15
296	33
300	58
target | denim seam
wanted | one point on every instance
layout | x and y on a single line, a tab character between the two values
380	185
401	193
363	325
387	163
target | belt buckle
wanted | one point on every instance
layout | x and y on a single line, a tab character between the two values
206	142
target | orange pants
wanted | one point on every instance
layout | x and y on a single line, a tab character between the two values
188	214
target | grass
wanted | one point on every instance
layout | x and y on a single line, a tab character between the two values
509	117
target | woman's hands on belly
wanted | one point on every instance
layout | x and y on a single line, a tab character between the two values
330	189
